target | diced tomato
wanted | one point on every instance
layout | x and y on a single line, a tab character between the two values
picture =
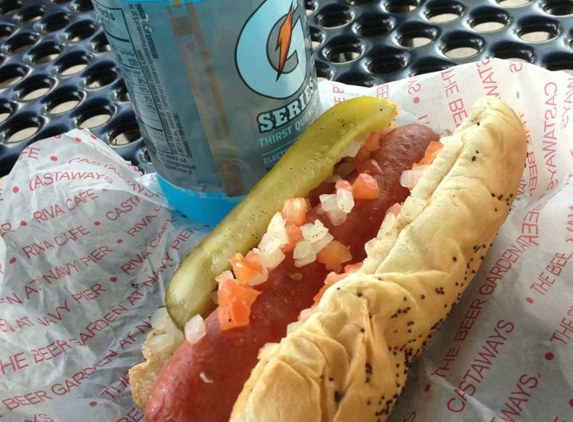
294	234
235	314
253	260
235	302
365	187
373	141
333	278
343	184
294	211
230	291
334	255
372	144
320	293
351	268
432	151
247	267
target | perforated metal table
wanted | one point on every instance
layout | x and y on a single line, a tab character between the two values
57	71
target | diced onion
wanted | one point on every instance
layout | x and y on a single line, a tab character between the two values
273	240
302	249
409	178
344	200
260	277
337	205
314	231
195	329
303	253
269	243
333	178
165	337
205	378
321	243
315	238
352	149
163	344
160	319
328	202
337	217
225	275
271	256
277	228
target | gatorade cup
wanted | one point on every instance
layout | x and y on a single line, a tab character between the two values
220	88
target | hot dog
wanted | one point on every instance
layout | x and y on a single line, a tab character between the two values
338	362
280	301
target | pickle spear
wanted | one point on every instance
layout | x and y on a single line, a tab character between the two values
307	163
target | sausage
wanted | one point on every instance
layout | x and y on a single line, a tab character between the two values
202	381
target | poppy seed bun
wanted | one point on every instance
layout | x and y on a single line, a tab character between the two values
349	360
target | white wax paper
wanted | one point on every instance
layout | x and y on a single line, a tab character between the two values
88	245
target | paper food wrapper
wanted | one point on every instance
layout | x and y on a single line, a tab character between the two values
88	246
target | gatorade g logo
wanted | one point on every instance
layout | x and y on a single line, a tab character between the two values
271	54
